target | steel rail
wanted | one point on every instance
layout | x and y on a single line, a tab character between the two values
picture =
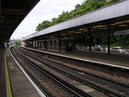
68	86
86	82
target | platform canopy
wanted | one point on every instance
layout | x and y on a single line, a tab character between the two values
12	13
114	17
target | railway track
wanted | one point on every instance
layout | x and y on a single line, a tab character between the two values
112	89
33	70
116	73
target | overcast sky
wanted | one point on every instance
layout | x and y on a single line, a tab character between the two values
44	10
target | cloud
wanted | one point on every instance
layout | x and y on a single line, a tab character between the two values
44	10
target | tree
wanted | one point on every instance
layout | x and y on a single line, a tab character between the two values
123	40
86	6
43	25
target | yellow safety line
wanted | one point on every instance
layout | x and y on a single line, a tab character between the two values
8	86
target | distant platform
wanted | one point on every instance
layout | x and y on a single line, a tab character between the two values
115	60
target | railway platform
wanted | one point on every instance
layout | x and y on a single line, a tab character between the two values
115	60
113	67
13	80
2	74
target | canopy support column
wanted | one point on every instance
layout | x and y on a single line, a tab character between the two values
59	44
108	39
90	40
45	45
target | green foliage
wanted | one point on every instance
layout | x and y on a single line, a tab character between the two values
86	6
102	39
43	25
123	40
115	40
18	43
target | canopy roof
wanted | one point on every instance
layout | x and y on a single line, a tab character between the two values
114	16
12	13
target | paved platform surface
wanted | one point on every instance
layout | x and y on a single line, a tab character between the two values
13	82
21	87
2	75
115	59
